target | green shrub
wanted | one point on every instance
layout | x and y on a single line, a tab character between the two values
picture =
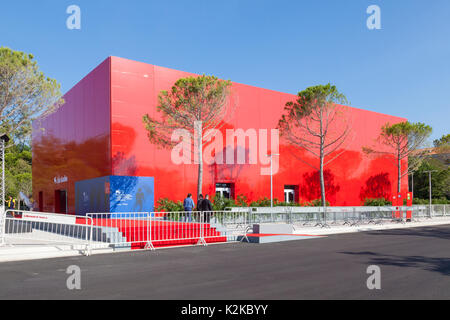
290	204
242	201
167	205
220	203
440	201
264	202
315	203
377	202
433	201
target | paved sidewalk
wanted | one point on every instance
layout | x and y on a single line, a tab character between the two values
22	250
19	252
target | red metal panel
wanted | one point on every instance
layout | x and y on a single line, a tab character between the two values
257	108
72	144
134	88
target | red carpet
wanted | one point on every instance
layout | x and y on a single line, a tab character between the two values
271	235
163	233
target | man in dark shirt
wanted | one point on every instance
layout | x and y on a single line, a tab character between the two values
206	208
199	203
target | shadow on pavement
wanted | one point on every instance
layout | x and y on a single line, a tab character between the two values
441	265
440	233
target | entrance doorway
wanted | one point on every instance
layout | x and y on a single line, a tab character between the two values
41	201
61	201
225	190
291	194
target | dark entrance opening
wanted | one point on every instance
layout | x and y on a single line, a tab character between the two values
291	194
41	201
60	201
225	190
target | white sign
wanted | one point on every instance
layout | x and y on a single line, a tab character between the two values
59	180
41	217
122	198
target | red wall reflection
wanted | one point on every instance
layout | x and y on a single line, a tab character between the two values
73	144
99	132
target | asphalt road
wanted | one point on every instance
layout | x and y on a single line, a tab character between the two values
415	264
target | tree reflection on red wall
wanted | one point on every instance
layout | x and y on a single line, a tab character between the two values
310	190
378	186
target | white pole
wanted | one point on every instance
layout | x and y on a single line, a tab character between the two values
3	213
3	174
271	177
271	182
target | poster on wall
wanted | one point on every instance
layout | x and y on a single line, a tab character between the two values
115	194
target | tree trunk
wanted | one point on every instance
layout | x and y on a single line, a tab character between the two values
322	158
399	184
322	184
200	159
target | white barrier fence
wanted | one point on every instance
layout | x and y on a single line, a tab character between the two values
352	216
439	210
148	230
121	230
42	228
310	215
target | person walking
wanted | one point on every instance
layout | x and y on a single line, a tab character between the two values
206	209
188	205
199	208
199	202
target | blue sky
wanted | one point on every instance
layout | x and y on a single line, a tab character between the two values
402	69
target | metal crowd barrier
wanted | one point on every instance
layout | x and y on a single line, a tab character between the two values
147	230
440	210
31	228
119	230
350	216
233	225
152	229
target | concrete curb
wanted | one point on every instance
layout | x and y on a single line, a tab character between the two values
10	253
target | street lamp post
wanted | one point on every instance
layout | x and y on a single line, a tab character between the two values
271	177
4	140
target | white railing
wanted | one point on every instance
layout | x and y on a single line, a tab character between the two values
341	215
147	230
158	229
439	210
120	230
31	228
233	225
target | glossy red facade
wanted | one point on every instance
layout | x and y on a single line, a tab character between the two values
99	132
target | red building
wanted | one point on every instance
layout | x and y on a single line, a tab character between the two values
99	132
